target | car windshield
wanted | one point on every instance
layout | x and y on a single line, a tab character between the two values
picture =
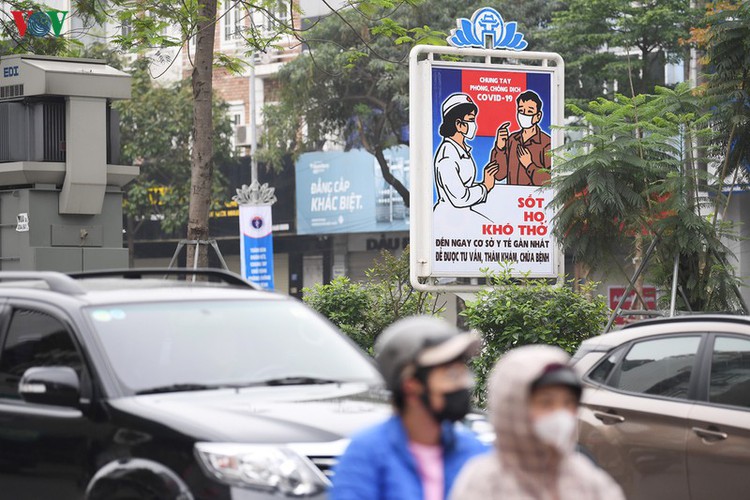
190	345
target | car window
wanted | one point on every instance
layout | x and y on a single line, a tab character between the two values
600	373
730	372
658	367
214	342
34	339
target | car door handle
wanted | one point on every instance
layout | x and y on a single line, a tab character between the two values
609	418
710	435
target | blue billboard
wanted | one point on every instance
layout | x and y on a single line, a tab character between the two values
344	192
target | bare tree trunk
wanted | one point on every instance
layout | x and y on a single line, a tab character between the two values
581	272
638	302
202	161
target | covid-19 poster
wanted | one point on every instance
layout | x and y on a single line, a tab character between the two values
491	139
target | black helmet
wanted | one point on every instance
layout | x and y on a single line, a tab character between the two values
559	374
418	342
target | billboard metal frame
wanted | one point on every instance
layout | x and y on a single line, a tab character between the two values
421	61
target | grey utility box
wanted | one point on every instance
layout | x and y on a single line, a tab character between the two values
60	182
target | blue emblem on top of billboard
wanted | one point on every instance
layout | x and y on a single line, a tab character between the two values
487	25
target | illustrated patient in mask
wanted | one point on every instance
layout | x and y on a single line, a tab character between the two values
522	156
533	401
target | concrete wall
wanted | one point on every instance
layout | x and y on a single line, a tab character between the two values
59	242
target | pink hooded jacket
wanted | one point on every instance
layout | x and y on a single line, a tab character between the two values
523	467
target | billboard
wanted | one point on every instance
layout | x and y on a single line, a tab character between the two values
481	138
489	172
344	192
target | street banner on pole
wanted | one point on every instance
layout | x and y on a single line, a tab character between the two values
482	124
256	245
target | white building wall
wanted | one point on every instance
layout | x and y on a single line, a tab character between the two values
739	213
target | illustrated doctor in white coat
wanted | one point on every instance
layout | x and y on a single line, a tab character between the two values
455	171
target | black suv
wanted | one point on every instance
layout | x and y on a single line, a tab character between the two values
153	388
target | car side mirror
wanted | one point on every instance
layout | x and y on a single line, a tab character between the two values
50	385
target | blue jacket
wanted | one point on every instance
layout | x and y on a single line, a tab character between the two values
377	464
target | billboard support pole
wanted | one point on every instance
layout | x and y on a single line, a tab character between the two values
631	283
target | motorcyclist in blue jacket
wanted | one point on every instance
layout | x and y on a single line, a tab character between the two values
418	452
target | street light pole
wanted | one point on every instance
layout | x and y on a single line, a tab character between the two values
253	126
255	201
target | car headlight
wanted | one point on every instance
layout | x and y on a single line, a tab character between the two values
265	467
481	427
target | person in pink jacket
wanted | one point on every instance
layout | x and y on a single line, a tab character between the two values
533	399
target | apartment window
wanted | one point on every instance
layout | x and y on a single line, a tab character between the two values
231	20
277	17
126	28
237	114
271	90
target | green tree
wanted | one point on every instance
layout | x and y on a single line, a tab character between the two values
156	128
156	135
592	35
364	310
511	313
197	19
630	179
727	44
352	85
346	305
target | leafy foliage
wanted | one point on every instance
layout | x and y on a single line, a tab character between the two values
727	45
511	313
351	86
345	304
608	41
156	128
364	310
633	177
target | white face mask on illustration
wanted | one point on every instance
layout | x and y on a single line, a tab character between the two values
525	121
472	130
557	429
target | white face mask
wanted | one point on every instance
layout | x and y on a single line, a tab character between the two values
558	429
472	130
525	121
